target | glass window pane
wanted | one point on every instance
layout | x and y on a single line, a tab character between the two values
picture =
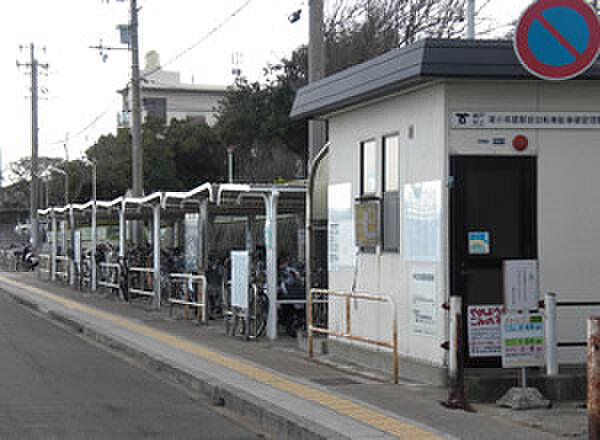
369	167
391	148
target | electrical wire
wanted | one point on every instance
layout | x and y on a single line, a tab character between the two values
203	38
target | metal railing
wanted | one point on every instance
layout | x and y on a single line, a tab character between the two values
185	296
45	262
109	276
551	306
145	285
62	262
347	334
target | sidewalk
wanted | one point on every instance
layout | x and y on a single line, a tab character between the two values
275	384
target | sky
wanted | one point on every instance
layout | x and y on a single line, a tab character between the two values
80	102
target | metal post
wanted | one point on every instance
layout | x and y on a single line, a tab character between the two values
551	338
456	398
230	163
94	228
250	234
309	324
593	377
122	226
271	248
203	237
72	247
471	19
156	252
54	247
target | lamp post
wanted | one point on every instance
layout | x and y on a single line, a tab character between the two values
71	223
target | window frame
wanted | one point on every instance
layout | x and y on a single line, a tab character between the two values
393	197
363	176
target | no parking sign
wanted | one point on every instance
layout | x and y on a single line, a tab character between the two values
558	39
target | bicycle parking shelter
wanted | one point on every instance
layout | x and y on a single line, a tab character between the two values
208	201
470	161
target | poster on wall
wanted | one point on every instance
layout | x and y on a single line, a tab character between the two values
423	291
341	251
422	218
522	340
484	330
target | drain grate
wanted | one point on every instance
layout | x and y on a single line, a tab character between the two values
336	381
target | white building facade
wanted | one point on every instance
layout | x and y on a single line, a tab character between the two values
473	162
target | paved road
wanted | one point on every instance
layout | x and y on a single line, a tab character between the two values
53	385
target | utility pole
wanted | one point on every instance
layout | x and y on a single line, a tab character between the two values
471	19
34	65
316	71
136	117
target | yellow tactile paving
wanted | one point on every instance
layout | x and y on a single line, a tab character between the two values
342	406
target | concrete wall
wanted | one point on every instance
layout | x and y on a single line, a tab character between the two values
422	159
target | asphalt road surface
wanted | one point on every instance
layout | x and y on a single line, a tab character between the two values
54	385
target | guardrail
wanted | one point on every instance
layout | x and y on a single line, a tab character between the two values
62	262
551	306
348	297
109	275
145	287
44	265
185	296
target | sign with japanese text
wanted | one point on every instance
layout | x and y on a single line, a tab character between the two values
463	119
484	333
520	280
240	278
522	340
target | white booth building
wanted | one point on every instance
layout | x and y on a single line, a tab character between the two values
472	161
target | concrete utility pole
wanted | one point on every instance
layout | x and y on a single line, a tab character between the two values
316	71
136	117
34	65
471	19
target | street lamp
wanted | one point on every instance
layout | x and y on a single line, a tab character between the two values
230	150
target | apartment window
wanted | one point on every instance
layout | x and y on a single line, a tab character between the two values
368	154
391	194
156	108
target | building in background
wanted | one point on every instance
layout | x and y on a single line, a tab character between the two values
165	97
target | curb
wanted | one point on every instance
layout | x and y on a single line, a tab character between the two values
267	416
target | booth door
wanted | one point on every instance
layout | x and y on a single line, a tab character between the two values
493	218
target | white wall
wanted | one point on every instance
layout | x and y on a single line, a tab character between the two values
180	105
568	198
422	159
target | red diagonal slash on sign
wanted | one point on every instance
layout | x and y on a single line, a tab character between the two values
561	39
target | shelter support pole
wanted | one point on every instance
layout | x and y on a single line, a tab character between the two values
203	237
71	247
122	226
271	249
53	248
593	377
250	234
156	252
94	281
551	338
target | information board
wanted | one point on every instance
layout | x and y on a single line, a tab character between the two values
521	284
367	223
484	330
240	278
523	340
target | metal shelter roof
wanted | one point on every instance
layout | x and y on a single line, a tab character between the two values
422	62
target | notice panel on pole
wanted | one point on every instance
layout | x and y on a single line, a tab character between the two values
520	284
240	271
522	340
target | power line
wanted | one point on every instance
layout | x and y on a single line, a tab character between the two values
203	38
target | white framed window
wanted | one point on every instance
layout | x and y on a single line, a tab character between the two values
368	167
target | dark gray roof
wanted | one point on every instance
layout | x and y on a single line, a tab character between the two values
401	68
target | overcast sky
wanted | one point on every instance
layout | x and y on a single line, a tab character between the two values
80	86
